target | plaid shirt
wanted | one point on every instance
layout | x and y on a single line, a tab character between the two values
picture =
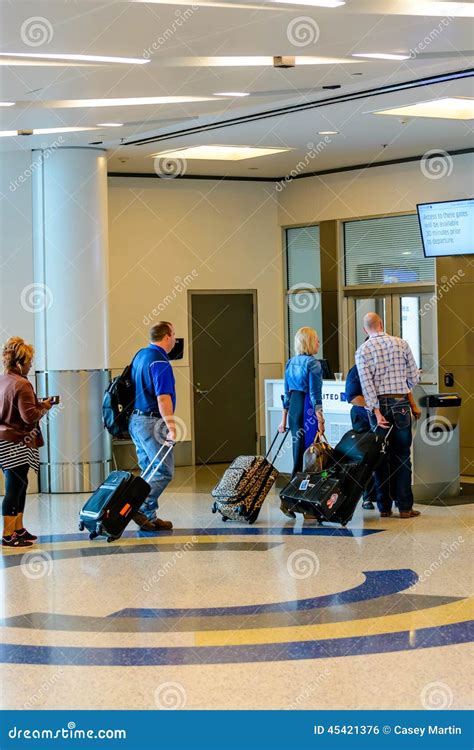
386	365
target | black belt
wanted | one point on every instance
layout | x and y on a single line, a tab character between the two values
147	413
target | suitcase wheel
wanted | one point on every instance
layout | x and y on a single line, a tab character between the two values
214	508
224	518
111	538
81	526
93	535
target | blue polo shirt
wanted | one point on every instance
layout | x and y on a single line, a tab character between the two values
152	376
353	389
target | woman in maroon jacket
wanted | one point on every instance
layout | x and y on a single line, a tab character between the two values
20	437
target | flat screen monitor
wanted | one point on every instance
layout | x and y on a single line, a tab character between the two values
326	369
177	351
447	227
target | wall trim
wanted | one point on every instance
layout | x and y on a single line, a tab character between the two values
336	170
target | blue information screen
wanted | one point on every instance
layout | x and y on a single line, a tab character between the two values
447	228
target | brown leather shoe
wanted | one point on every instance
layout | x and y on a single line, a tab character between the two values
159	525
409	513
386	514
143	522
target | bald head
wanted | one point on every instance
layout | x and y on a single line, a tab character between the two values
373	323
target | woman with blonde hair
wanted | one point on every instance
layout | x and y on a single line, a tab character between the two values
302	402
20	437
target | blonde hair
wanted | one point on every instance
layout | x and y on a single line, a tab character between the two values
306	341
16	353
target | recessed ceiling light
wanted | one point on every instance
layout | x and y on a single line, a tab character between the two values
110	124
381	56
224	153
125	102
247	4
328	132
232	93
448	9
240	61
451	108
7	104
316	3
37	57
41	131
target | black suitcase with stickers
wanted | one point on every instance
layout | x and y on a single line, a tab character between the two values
332	495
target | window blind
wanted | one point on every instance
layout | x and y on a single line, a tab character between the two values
385	250
303	257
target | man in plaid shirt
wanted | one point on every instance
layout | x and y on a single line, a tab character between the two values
387	372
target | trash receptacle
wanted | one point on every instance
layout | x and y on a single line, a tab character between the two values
436	447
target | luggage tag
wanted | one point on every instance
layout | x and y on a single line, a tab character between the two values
304	485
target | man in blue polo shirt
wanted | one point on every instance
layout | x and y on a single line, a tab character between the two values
152	422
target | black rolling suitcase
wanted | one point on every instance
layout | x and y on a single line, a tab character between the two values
333	495
111	507
241	492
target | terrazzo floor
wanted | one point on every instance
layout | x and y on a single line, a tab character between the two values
279	615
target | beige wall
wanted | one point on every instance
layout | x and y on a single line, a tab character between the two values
391	189
170	236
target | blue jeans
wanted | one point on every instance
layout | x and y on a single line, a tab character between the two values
393	476
144	433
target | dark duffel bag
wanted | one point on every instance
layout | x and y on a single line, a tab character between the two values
359	448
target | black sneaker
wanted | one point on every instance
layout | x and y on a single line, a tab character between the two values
15	541
368	505
24	534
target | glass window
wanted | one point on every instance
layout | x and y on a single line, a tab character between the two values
386	250
303	282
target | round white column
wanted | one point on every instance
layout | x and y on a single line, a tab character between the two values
69	297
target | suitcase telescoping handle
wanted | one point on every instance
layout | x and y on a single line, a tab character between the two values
285	434
147	475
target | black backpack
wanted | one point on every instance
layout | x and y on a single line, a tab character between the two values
117	404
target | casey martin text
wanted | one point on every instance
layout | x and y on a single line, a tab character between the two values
430	729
